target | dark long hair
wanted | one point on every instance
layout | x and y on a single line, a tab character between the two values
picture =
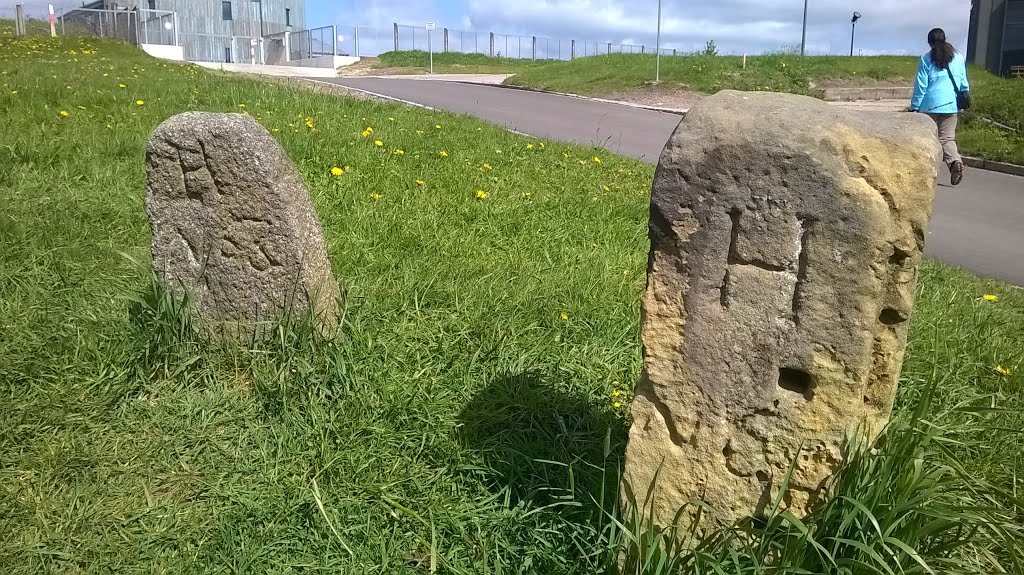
942	51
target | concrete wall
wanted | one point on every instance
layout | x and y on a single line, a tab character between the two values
996	37
324	62
165	52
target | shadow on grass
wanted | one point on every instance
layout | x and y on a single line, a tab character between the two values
544	443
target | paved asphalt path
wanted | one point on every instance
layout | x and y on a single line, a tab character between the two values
978	225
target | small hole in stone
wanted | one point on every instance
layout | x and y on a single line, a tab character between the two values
763	477
891	316
898	257
727	451
796	381
867	399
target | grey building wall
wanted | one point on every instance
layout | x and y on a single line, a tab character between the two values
996	37
206	35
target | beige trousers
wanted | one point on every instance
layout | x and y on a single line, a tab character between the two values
947	136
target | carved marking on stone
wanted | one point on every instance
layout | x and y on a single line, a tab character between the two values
785	240
241	233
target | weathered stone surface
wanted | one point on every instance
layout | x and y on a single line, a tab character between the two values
786	236
233	223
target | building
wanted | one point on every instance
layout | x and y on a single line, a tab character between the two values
996	37
207	30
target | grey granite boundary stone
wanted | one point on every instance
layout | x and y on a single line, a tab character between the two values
233	224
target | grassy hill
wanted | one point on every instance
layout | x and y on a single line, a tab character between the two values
469	416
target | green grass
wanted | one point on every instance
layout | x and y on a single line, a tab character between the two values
779	73
456	423
454	63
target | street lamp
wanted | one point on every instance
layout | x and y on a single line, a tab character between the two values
853	30
657	48
803	35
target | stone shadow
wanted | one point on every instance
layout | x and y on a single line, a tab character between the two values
544	442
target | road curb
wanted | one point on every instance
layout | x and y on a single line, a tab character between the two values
992	166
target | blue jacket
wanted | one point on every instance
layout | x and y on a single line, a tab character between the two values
933	92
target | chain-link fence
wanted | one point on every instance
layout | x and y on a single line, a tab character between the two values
464	41
372	41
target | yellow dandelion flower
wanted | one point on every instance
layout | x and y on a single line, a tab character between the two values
399	152
1004	371
616	393
63	114
241	105
541	145
375	196
366	134
378	143
597	160
140	102
275	130
336	171
565	155
481	195
438	126
420	183
444	154
14	92
487	167
991	297
606	188
391	119
529	146
122	86
564	316
617	404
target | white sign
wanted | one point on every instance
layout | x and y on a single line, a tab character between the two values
252	41
431	25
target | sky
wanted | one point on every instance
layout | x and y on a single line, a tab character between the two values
736	26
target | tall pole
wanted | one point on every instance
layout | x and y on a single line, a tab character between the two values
803	35
853	30
657	48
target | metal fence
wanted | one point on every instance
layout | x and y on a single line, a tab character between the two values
134	26
215	48
373	41
312	43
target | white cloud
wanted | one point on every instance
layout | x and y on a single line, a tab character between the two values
735	25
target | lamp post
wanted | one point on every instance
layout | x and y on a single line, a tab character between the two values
853	29
657	48
803	34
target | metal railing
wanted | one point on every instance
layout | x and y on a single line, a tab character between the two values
134	26
313	43
215	48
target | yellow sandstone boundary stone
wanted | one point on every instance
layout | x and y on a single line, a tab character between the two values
233	224
786	236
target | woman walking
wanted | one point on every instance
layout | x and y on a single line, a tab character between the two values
940	91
